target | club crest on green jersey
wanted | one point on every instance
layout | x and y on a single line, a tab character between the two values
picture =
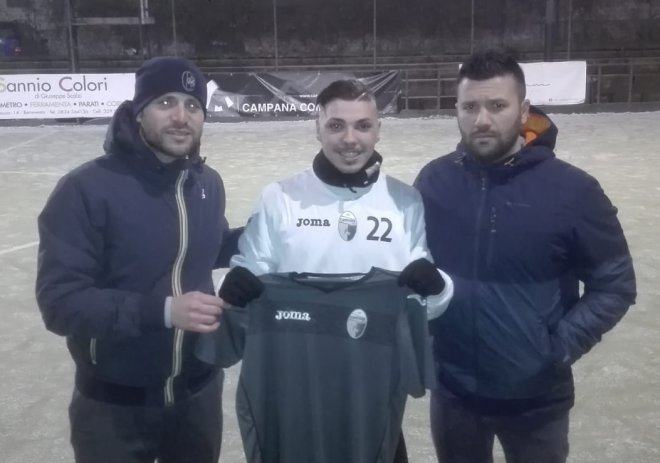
356	323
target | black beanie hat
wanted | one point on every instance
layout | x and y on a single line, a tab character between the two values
166	74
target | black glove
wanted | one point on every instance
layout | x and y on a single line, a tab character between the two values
422	277
240	287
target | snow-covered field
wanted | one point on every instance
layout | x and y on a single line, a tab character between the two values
617	416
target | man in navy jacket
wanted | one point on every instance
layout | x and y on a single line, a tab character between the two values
128	242
518	230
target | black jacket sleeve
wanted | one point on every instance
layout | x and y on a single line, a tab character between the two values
70	266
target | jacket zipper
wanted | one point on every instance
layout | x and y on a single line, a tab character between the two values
176	284
475	275
92	350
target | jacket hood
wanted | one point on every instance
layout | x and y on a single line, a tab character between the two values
539	130
123	139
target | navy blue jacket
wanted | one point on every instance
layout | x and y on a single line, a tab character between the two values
517	238
118	235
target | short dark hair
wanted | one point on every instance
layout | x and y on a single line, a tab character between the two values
483	65
349	90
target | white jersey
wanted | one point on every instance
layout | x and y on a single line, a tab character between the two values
301	224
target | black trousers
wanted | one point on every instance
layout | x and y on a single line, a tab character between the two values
190	431
461	435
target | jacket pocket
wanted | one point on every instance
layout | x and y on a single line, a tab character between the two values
92	351
545	346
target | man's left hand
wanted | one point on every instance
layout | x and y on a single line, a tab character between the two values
422	277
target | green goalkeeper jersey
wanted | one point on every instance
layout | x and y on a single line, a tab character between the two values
328	362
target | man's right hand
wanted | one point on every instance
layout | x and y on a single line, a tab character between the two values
196	311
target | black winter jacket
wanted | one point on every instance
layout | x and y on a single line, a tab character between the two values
517	238
117	236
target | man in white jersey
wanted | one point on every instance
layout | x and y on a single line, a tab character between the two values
342	215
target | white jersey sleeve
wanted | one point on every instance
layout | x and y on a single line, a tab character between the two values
257	250
438	303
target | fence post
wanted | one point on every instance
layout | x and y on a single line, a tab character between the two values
375	36
550	13
631	80
407	87
472	27
439	89
569	33
73	40
599	77
174	37
277	58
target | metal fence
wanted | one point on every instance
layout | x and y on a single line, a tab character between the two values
622	81
560	29
425	86
372	29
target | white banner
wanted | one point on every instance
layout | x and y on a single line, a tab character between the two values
55	96
556	83
61	96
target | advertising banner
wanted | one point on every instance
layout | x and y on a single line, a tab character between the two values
556	83
250	95
55	96
231	95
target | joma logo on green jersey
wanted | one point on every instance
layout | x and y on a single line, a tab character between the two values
292	315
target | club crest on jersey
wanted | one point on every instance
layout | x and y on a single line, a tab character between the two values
292	315
356	323
347	226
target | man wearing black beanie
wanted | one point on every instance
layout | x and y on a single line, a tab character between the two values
128	242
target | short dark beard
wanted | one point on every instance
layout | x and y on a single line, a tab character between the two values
166	157
496	157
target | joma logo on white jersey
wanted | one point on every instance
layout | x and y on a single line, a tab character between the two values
292	315
313	223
